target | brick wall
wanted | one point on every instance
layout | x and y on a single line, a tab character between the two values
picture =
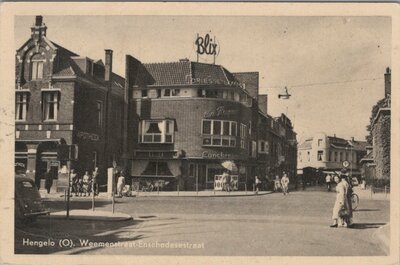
381	149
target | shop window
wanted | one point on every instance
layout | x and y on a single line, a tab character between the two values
319	155
156	131
50	101
219	133
21	106
37	69
155	168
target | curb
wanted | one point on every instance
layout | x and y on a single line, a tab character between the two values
382	234
89	215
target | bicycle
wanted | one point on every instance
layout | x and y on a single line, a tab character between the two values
354	201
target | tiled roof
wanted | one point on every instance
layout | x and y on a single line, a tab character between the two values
180	73
359	145
306	144
168	73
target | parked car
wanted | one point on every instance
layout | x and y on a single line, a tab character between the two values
28	203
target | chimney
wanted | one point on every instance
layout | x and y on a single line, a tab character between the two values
263	103
388	83
39	29
352	139
108	65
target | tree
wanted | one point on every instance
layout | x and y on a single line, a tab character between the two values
380	104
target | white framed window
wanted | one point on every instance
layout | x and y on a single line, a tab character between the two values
319	142
51	100
219	133
37	69
21	106
156	131
99	113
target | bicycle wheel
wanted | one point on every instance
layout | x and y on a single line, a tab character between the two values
354	201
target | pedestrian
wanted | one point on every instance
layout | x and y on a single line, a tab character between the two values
341	210
258	184
74	182
285	183
328	180
86	183
349	193
95	185
224	180
120	184
228	182
49	180
277	183
363	182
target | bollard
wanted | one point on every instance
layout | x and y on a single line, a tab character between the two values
371	191
197	189
385	192
245	188
158	190
178	189
93	199
254	189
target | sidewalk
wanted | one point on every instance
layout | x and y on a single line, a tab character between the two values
207	193
89	215
368	195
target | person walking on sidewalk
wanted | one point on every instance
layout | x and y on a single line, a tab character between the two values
285	183
49	180
95	185
120	184
86	183
328	180
258	184
277	184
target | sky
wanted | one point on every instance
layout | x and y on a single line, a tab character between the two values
333	66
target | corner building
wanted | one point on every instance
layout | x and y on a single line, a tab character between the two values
186	118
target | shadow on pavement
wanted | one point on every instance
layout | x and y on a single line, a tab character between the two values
366	210
366	225
30	239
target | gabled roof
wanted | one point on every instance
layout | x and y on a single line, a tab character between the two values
306	144
359	145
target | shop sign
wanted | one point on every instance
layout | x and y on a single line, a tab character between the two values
219	155
219	112
212	81
206	45
88	136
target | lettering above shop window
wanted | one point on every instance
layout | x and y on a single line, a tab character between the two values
88	136
219	155
220	112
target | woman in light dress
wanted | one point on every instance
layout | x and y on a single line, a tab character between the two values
341	202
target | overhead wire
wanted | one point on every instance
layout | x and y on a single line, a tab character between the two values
323	83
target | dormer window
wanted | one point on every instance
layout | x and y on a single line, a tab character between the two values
37	69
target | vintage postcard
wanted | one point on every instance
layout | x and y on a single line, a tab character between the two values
199	132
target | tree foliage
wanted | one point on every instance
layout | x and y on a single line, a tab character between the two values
380	104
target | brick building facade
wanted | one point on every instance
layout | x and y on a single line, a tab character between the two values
377	163
62	97
188	117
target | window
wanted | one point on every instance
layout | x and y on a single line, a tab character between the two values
253	149
308	156
219	133
21	106
243	136
319	155
336	157
300	157
37	70
319	142
51	101
156	131
175	92
144	93
99	109
157	169
340	156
